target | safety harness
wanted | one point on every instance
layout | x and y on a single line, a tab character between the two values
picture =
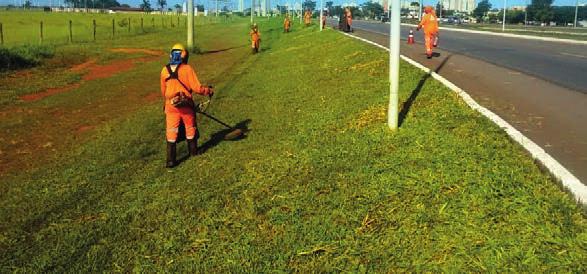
180	98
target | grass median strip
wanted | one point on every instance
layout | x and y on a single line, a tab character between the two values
318	184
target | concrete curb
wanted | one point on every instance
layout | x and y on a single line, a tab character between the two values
566	178
521	36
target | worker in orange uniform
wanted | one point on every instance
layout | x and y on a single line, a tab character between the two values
286	23
255	38
349	18
308	17
324	15
178	82
430	24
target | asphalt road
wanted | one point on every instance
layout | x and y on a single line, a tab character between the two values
538	87
559	63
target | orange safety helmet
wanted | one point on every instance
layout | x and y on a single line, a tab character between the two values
428	9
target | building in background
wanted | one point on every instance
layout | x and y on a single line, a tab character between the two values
459	5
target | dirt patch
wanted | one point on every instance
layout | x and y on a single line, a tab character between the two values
153	96
145	51
104	71
84	129
83	66
48	92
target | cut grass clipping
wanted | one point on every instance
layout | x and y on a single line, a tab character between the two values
319	184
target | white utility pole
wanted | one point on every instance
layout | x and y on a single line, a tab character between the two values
526	14
576	11
321	10
394	42
190	42
504	11
419	9
301	10
252	9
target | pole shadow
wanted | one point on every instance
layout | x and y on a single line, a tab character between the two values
407	105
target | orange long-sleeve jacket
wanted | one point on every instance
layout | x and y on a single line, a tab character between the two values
255	35
429	23
185	74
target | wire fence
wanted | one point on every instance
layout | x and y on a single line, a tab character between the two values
35	27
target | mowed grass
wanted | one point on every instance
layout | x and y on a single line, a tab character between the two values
319	184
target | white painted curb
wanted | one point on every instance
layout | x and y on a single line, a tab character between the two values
568	180
511	35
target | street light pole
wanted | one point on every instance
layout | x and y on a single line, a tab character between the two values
321	9
252	7
504	11
394	42
419	9
190	24
576	11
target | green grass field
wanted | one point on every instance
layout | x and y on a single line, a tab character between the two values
319	184
24	27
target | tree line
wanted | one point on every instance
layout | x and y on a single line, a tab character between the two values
540	11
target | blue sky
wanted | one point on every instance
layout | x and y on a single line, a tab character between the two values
134	3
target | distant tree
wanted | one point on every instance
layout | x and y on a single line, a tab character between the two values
27	4
438	9
178	8
415	4
200	8
162	4
481	10
309	5
125	5
512	16
146	6
541	10
372	9
328	6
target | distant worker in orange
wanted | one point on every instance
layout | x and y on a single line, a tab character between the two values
286	23
308	17
324	14
430	24
178	82
349	18
255	38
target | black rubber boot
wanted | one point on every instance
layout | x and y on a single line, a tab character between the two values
171	162
193	146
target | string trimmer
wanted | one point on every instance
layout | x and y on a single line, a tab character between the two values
201	107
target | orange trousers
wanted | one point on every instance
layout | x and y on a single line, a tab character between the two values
173	116
255	44
429	41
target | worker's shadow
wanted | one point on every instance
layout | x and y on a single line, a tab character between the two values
407	105
224	135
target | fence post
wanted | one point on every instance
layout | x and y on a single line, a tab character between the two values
41	32
1	35
94	23
142	28
129	24
113	31
70	32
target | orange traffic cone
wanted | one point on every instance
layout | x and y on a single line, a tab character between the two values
411	37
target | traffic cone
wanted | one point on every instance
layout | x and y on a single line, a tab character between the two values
411	37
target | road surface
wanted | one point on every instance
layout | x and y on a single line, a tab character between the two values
538	87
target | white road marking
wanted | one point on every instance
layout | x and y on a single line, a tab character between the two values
574	55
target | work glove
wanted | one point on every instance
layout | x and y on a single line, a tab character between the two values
418	28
